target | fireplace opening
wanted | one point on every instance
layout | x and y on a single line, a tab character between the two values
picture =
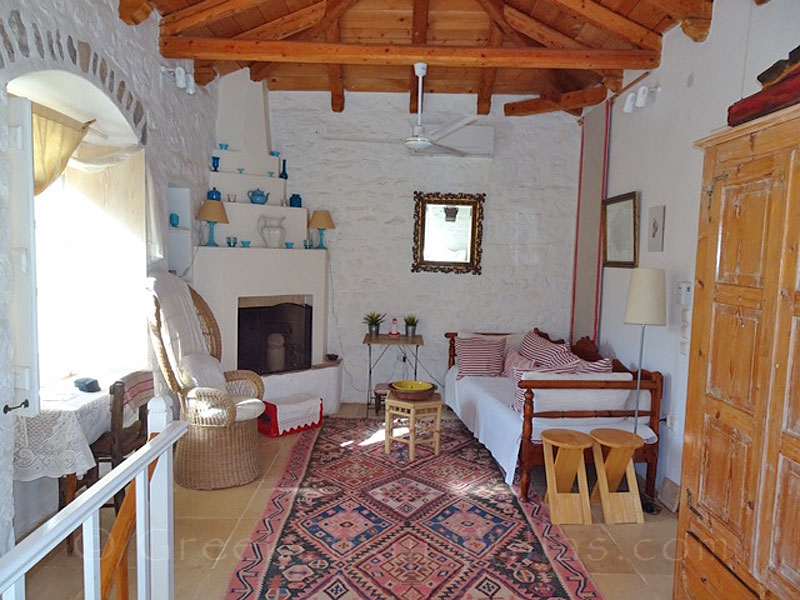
274	334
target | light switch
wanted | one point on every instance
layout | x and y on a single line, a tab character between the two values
683	293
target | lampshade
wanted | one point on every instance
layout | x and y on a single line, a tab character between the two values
321	219
647	302
212	211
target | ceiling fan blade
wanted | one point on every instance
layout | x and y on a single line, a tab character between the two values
448	149
451	127
335	138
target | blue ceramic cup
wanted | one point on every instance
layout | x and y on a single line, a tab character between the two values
174	219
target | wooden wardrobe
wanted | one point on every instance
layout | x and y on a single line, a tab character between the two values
739	528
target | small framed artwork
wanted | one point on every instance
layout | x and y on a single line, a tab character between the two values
620	221
655	229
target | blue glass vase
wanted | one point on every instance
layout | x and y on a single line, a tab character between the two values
283	174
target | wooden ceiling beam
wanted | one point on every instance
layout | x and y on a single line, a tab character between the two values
380	54
552	38
419	37
567	101
488	76
693	15
613	22
203	13
334	9
133	12
335	72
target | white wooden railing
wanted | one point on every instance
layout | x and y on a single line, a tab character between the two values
154	519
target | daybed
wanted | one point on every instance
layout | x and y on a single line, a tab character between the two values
576	401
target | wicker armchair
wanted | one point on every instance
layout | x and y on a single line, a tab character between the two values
219	450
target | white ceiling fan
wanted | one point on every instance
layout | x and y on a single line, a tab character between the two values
420	141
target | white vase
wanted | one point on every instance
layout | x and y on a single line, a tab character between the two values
272	231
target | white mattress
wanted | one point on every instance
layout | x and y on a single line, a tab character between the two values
484	405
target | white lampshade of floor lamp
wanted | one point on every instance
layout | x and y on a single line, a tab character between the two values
647	305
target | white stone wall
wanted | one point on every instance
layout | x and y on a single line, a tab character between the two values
178	129
529	223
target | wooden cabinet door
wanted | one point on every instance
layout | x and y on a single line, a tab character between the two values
779	531
738	269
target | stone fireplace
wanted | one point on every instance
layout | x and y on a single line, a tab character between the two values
249	288
274	333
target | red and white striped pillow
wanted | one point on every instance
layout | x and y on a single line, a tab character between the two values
604	365
545	352
515	360
480	357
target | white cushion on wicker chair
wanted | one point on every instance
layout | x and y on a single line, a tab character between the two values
248	408
200	369
180	328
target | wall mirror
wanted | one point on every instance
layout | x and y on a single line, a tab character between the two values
447	232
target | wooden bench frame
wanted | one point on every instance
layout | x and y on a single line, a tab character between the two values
531	454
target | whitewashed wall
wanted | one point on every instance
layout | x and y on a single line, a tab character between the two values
179	128
529	223
651	151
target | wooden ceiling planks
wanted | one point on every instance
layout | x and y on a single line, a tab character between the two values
629	27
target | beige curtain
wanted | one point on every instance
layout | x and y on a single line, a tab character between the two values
55	138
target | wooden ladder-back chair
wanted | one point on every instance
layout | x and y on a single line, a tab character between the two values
220	449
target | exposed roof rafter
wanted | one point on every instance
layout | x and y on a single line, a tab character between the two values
335	72
419	36
567	101
613	22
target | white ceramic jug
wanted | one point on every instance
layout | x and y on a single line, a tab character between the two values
271	231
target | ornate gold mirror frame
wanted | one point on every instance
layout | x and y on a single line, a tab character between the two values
448	229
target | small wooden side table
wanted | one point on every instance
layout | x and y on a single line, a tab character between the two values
413	411
402	343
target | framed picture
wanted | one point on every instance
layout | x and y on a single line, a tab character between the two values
655	228
620	220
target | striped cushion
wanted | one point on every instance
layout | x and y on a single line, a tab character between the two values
519	397
515	360
480	357
545	352
138	388
603	365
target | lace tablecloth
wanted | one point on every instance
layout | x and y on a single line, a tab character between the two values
56	442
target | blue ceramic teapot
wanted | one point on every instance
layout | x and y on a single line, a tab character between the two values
258	196
213	194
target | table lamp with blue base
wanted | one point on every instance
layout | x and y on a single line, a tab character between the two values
321	220
213	212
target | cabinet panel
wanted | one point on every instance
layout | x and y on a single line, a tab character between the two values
734	337
723	494
742	233
785	559
792	403
706	578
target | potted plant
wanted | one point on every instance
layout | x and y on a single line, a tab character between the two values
411	322
373	321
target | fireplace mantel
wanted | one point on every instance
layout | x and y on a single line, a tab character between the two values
223	275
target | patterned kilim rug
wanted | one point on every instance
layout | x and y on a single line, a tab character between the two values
349	522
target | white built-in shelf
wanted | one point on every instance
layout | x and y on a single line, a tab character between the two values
253	163
243	222
240	184
179	239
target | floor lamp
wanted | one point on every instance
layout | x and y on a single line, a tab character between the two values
647	305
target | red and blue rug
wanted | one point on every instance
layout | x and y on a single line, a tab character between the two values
349	522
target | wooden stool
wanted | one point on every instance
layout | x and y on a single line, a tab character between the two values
567	506
380	392
413	411
618	507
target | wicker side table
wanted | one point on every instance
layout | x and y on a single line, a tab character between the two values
413	411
